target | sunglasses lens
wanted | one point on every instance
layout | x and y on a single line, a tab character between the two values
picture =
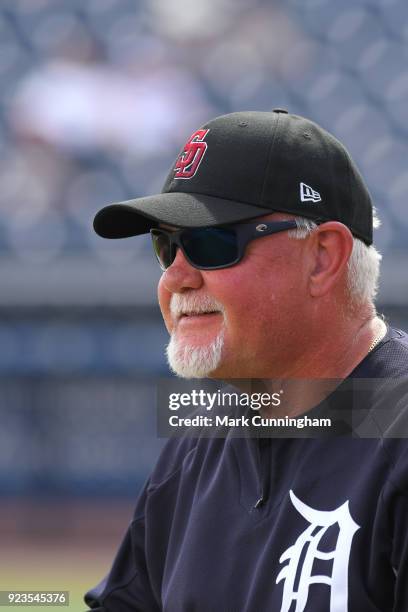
163	249
210	247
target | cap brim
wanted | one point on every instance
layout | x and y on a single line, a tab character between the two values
135	217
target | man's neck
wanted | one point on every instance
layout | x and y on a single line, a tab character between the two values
309	382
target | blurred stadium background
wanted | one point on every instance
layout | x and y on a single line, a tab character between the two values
96	99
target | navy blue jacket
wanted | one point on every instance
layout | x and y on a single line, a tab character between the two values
279	525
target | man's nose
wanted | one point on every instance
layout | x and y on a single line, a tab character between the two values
181	275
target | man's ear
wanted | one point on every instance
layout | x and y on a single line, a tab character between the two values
332	247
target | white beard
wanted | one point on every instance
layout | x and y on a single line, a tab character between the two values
194	361
189	361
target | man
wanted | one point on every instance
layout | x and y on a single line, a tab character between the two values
264	233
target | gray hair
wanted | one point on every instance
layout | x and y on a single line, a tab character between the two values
363	265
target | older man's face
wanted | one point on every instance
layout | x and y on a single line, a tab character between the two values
238	322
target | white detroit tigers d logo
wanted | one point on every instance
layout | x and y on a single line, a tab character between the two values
304	552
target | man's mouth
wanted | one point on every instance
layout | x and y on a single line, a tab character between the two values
199	314
202	319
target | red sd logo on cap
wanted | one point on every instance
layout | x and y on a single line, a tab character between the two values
192	156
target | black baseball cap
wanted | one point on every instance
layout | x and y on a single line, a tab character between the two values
249	164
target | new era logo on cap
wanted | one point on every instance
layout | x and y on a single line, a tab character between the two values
307	194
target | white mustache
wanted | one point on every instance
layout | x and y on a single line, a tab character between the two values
189	304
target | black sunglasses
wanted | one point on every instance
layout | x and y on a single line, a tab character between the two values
212	248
